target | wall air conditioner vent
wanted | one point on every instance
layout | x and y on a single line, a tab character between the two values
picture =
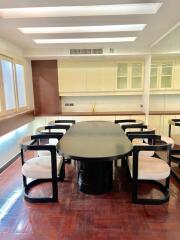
86	51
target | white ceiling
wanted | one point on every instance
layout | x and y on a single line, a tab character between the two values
157	25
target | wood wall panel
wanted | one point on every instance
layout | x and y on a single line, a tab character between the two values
12	122
45	84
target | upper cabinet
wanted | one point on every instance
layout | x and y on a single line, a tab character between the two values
86	77
130	76
165	75
162	75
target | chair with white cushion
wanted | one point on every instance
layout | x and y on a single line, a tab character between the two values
47	168
143	129
56	129
150	169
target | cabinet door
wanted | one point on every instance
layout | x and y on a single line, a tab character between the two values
154	76
72	79
108	78
122	76
166	75
136	76
93	82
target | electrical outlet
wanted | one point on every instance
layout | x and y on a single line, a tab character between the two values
71	104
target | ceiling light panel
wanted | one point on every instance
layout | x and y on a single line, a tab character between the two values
85	40
72	11
84	29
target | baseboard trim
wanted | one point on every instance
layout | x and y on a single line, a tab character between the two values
6	165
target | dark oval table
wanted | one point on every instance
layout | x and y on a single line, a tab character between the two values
95	144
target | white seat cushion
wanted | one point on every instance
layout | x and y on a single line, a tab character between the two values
150	168
168	140
53	141
40	167
143	153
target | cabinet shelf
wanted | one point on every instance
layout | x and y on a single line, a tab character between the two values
104	93
165	92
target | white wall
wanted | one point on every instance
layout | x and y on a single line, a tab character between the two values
11	50
29	84
102	103
164	102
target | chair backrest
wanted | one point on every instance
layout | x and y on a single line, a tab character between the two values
142	130
139	126
58	126
124	121
155	144
31	143
173	122
65	121
35	139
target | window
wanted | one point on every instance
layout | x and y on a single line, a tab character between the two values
8	84
12	86
21	89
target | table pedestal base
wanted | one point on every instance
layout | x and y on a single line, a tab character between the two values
95	177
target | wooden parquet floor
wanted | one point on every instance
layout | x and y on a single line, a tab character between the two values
79	216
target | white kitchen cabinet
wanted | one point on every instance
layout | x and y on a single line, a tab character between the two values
130	76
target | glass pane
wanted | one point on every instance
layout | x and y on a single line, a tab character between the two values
136	82
166	81
122	82
122	69
8	83
153	83
21	85
154	69
136	69
167	69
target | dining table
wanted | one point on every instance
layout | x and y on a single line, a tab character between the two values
95	145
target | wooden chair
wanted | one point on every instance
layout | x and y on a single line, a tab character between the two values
49	168
150	169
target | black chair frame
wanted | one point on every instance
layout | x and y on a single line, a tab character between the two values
157	145
141	126
173	122
141	132
52	148
65	121
124	121
58	126
176	123
175	158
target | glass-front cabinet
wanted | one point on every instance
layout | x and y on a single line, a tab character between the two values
130	76
161	76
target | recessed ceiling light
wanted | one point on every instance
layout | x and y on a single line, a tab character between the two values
70	11
84	29
85	40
